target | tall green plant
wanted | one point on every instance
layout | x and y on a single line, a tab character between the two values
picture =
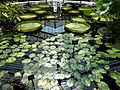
9	15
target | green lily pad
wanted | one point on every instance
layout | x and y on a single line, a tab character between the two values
2	63
78	19
41	12
66	8
33	9
28	16
74	12
85	8
28	26
50	17
103	86
26	61
44	6
11	60
77	27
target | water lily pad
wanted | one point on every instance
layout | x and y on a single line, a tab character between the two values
74	12
41	12
11	60
78	19
66	8
85	8
50	17
33	9
26	61
28	16
2	63
44	6
103	86
77	27
28	26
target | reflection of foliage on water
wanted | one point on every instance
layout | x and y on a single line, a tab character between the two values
58	61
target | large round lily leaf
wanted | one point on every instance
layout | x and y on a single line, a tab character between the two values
85	9
41	12
77	27
28	16
32	9
78	19
50	17
66	8
74	12
44	6
28	26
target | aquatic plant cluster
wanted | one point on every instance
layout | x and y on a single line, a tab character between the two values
58	62
64	61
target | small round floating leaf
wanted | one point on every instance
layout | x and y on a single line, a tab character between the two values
66	8
74	12
78	19
2	63
85	8
33	9
11	60
28	16
20	54
50	17
41	12
26	61
77	27
28	26
103	86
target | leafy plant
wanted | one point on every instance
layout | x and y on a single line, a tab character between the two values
9	15
60	60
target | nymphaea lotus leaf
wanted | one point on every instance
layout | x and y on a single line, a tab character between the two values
28	26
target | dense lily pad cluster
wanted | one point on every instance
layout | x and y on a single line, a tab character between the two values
57	60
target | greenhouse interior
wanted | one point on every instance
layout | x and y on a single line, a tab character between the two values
60	45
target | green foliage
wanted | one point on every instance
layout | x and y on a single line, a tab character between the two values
71	60
9	15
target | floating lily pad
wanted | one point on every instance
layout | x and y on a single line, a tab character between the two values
85	8
77	27
32	9
2	63
50	17
41	12
28	16
28	26
26	61
11	60
44	6
66	8
78	19
74	12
